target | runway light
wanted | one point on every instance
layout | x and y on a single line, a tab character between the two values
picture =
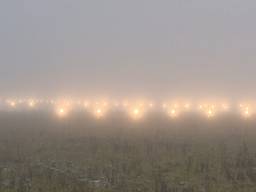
86	104
247	113
11	103
210	113
99	113
173	113
31	104
136	113
246	110
62	112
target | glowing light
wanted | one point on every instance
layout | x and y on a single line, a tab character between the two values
62	112
247	112
173	113
31	103
210	113
11	103
135	108
136	113
99	113
86	104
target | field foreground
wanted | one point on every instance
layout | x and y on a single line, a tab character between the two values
42	153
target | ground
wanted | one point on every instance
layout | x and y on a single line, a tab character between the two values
40	152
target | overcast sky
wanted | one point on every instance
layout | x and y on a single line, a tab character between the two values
151	47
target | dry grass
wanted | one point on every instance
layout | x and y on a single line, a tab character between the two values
39	152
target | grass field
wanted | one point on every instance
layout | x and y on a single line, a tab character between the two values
42	153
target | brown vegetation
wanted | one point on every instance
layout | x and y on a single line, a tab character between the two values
39	153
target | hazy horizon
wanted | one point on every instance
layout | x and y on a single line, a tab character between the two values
146	48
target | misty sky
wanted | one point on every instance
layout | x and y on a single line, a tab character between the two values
152	47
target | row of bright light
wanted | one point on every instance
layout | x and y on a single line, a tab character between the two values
135	109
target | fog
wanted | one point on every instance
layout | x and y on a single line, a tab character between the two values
151	48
